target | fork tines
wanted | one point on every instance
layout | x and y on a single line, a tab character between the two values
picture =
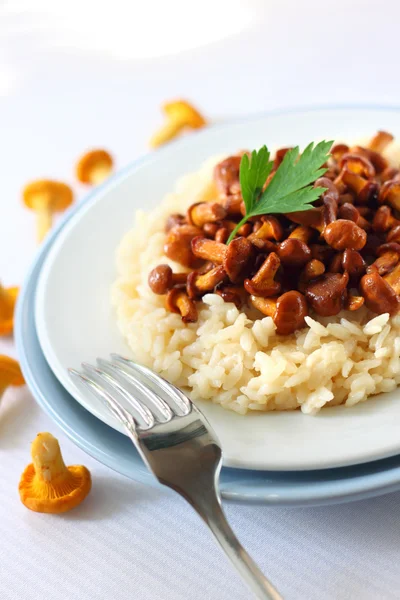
119	379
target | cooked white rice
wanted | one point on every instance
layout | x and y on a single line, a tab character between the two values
229	357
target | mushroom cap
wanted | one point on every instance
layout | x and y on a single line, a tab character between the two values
378	161
178	245
291	309
388	247
178	301
358	164
205	212
270	228
226	178
383	219
34	496
60	195
293	251
10	372
7	311
91	162
181	110
379	296
369	193
342	234
160	279
237	258
390	193
327	294
313	269
47	485
331	189
353	263
338	150
198	284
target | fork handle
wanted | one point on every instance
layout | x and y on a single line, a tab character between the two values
214	516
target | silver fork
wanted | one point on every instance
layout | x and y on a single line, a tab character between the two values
177	444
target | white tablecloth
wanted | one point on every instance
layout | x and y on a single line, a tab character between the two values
80	74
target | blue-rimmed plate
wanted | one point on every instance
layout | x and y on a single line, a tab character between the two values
75	322
113	449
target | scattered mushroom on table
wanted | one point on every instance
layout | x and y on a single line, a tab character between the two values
94	167
47	485
46	197
342	254
180	115
8	298
10	374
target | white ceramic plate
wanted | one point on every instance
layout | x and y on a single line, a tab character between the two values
75	321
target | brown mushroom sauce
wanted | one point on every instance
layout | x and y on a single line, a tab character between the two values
340	255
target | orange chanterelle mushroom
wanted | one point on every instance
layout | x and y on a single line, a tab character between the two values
8	298
47	197
10	374
47	485
180	115
94	167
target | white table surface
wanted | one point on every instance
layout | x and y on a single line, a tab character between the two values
80	74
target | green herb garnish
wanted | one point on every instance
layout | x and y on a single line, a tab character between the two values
290	189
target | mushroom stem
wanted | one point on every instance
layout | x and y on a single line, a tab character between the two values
385	263
6	303
44	217
99	174
179	302
47	459
265	305
380	141
8	297
180	114
94	167
10	373
222	235
3	386
209	249
166	133
393	279
185	307
287	311
302	233
313	218
198	284
262	283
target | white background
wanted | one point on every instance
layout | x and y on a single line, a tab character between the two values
93	73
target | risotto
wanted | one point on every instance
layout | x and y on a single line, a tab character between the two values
234	356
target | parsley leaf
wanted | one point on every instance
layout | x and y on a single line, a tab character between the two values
290	189
254	175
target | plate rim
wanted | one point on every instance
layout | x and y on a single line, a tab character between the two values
97	193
